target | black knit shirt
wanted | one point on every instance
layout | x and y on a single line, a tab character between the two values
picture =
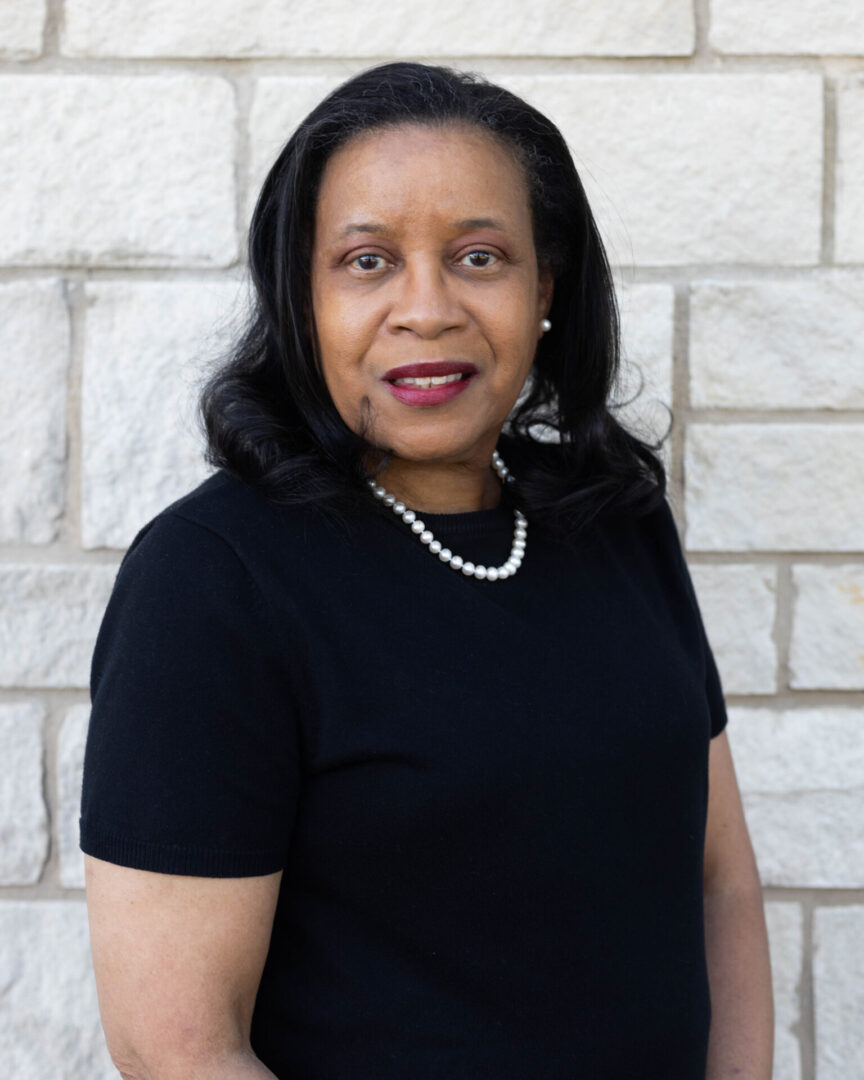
488	798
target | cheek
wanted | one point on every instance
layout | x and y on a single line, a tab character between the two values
344	328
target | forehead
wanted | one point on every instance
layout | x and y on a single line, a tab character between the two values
412	172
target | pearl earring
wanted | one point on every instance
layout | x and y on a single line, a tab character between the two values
545	325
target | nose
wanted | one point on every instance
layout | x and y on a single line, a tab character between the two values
425	300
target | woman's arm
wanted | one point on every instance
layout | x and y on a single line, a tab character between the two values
178	961
741	1044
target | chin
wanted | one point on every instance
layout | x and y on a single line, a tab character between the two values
455	447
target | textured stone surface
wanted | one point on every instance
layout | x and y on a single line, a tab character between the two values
737	604
647	313
21	25
49	1017
367	28
34	355
849	213
23	818
838	990
778	345
148	346
70	764
278	106
801	773
48	622
774	487
116	171
786	940
777	26
827	649
694	168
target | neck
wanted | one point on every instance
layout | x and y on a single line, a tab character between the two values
441	488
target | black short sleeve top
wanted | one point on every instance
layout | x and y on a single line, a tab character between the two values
487	799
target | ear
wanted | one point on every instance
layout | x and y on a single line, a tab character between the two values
545	291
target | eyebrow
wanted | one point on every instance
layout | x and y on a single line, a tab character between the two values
382	230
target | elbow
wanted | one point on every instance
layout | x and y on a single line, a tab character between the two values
161	1060
128	1065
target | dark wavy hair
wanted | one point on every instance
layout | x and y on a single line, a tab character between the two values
266	411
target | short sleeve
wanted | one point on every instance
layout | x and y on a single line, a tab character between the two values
191	763
713	685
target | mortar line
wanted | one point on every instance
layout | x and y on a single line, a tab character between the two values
50	871
53	29
702	28
829	172
244	88
806	999
70	530
781	631
680	403
706	62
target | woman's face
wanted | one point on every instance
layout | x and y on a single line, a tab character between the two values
424	256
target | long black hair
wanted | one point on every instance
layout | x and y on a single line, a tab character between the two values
268	416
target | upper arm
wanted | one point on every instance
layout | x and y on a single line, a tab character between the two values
729	860
178	960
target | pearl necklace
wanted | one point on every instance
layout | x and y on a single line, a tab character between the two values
456	562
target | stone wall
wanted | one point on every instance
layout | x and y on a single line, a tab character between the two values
722	145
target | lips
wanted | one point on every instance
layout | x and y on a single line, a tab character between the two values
458	374
431	369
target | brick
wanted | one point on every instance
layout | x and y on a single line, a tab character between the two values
777	345
372	29
278	106
800	772
70	767
786	941
689	169
23	817
34	357
49	1022
737	604
48	622
775	26
117	171
827	648
838	990
147	347
21	26
774	487
647	316
849	213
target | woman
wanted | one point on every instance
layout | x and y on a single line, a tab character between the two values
403	721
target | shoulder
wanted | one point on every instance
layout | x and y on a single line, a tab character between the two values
222	519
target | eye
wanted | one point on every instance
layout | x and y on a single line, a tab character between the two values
487	258
367	261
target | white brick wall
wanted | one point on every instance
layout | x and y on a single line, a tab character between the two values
838	990
786	939
147	345
772	26
721	143
34	358
49	1025
778	345
800	772
21	27
345	28
124	172
23	819
849	228
662	162
775	487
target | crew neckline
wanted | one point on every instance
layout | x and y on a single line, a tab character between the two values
470	520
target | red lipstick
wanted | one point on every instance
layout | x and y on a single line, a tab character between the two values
413	394
430	368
